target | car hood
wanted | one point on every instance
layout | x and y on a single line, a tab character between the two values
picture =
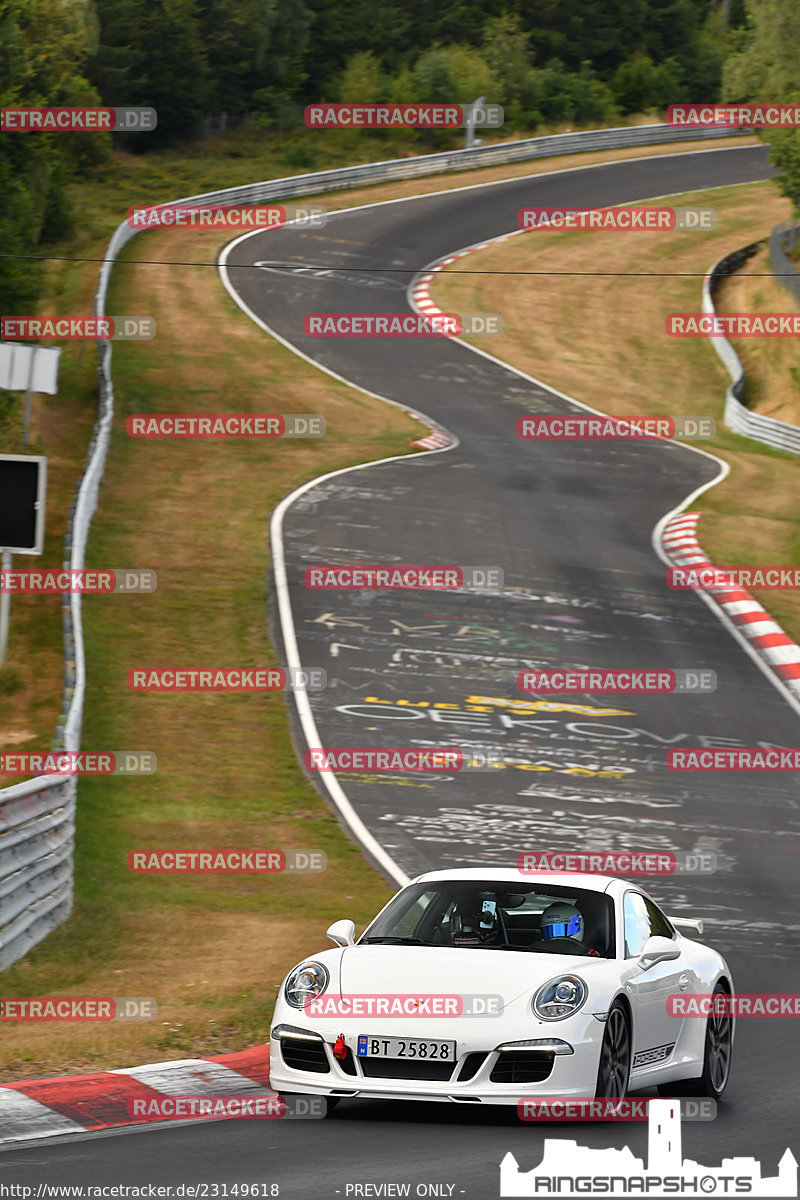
452	970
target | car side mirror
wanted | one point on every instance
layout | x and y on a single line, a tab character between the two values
343	933
656	950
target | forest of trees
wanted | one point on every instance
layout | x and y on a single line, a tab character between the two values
580	62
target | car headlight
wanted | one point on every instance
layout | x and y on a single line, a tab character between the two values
305	982
560	998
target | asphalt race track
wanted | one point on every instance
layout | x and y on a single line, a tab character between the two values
570	525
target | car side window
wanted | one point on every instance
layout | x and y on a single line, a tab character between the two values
637	924
643	920
659	925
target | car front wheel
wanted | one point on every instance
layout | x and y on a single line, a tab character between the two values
615	1055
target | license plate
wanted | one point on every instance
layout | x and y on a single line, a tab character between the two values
422	1049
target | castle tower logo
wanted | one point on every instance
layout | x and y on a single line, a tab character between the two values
568	1169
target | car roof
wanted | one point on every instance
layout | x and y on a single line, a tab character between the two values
591	883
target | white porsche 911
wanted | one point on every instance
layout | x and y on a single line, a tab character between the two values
486	985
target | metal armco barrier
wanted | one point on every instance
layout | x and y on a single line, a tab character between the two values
36	839
738	417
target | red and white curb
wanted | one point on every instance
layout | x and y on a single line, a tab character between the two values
419	297
753	621
419	293
79	1104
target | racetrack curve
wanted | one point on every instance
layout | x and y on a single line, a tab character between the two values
570	525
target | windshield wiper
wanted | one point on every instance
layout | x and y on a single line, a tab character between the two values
395	941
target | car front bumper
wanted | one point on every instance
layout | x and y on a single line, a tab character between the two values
572	1073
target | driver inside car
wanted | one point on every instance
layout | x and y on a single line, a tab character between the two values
561	920
474	923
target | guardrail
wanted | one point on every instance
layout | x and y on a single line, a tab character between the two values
36	838
737	416
782	238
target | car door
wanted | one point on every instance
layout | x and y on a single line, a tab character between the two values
655	1033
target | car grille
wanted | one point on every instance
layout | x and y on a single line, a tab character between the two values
398	1068
302	1055
347	1064
523	1066
470	1066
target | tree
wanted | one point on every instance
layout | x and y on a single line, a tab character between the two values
506	53
764	67
151	54
361	81
44	45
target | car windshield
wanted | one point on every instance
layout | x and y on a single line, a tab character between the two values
499	916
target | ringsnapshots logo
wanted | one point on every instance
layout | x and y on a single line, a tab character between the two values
726	325
736	116
227	679
571	681
413	325
402	579
51	119
617	862
226	216
79	762
225	425
78	329
96	582
609	429
77	1008
648	218
402	116
255	861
